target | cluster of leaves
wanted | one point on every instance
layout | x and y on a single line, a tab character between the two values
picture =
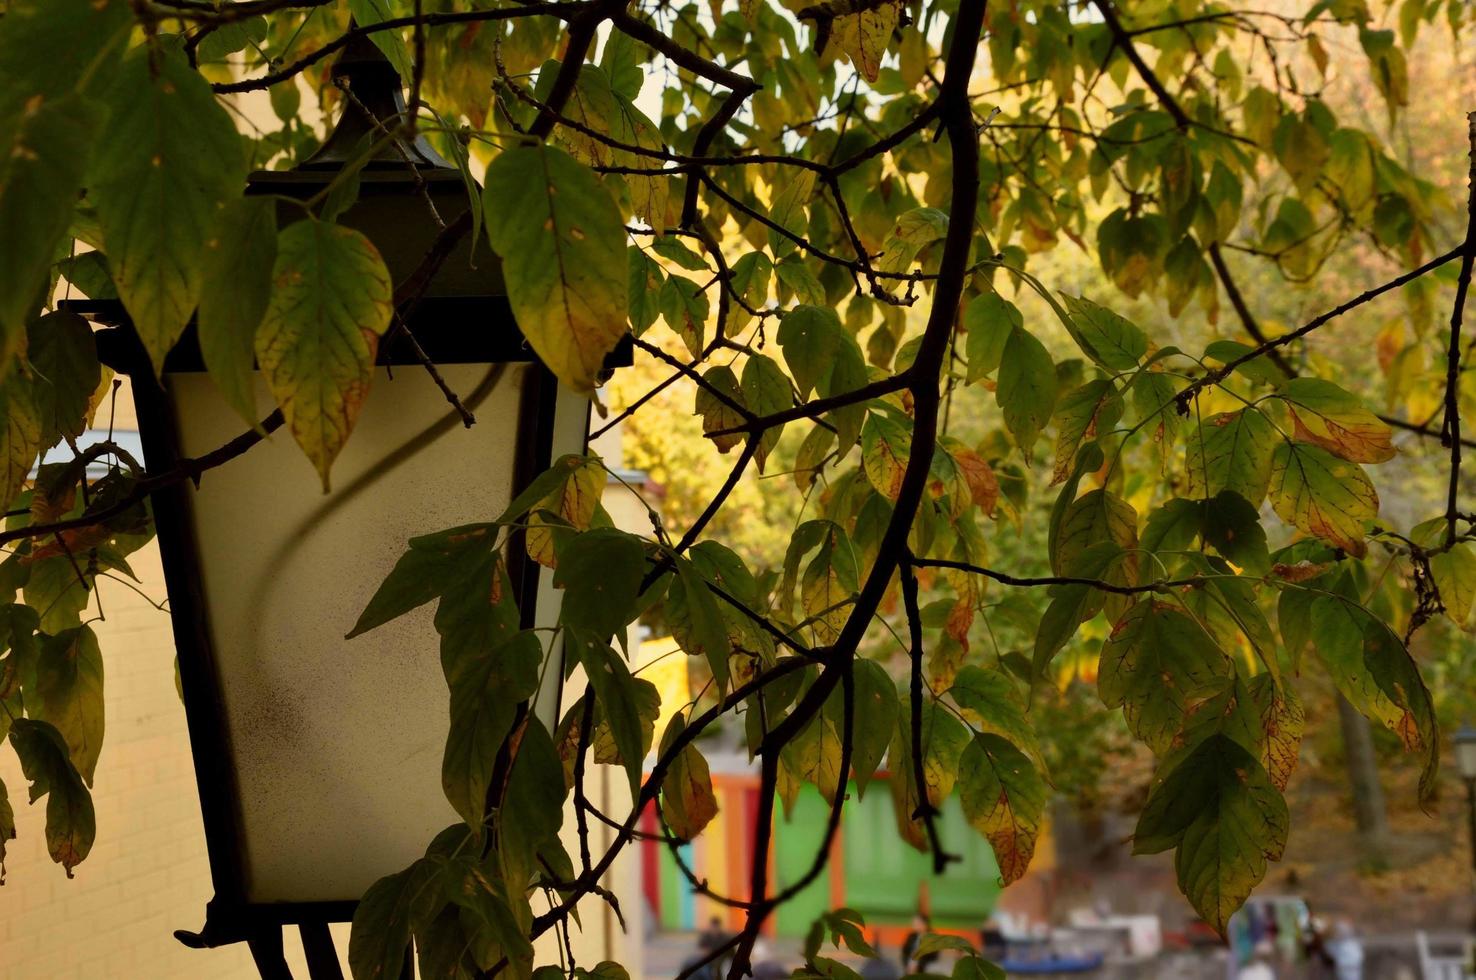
768	239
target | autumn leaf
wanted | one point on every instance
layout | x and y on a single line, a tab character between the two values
330	303
1323	495
562	244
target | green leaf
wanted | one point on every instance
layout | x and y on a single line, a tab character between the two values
944	739
644	293
1158	664
616	694
71	824
716	413
1328	497
1071	605
383	920
1231	451
370	12
44	152
469	885
239	265
1233	528
976	968
675	250
69	694
1372	667
685	308
813	756
1329	417
1094	517
1026	392
562	242
1222	812
600	572
990	320
532	806
485	693
687	800
749	278
64	355
1112	341
331	303
812	338
697	621
876	707
993	702
914	231
55	55
648	708
59	592
433	564
766	391
1004	799
829	583
173	161
788	211
20	437
1455	577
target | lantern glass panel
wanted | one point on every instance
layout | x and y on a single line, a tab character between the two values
337	743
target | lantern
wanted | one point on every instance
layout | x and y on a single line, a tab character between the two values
318	759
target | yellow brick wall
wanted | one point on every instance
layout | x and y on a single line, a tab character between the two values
147	874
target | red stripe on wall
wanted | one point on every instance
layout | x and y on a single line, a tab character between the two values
650	868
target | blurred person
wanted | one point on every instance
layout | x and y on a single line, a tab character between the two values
1259	967
1314	947
879	967
708	941
1346	951
921	926
765	967
992	940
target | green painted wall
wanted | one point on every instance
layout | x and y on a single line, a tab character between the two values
883	873
796	840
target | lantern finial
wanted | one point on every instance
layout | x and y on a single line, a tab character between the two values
374	104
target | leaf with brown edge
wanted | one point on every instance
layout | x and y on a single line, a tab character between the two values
1327	497
1282	722
1327	416
716	413
687	799
562	243
863	37
1159	664
886	446
69	694
977	473
331	301
1004	799
1083	414
574	503
71	824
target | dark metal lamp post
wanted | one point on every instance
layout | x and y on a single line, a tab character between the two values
318	760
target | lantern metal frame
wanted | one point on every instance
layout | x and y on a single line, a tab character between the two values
401	187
